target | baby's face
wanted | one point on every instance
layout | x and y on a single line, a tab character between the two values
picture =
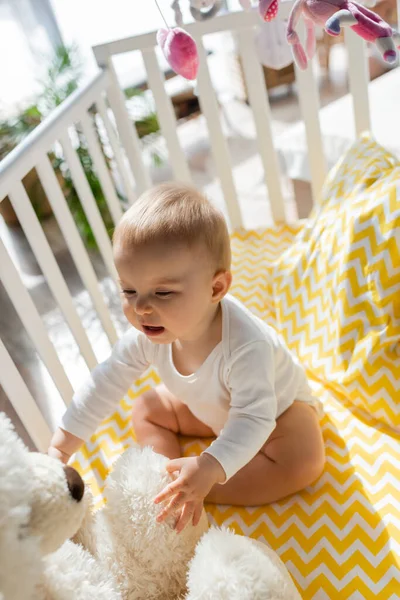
166	292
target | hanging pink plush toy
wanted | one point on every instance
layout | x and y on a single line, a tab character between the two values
178	46
179	49
333	15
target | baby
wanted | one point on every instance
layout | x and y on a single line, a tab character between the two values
225	372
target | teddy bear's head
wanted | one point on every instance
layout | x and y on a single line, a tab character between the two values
57	504
41	505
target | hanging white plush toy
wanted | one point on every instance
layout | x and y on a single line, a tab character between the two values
200	10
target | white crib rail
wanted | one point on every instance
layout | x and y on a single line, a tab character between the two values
166	116
33	324
218	143
123	140
41	249
309	103
89	203
25	405
75	245
33	153
358	80
258	98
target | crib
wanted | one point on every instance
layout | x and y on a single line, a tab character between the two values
339	537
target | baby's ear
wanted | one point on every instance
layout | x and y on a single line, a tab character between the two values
221	283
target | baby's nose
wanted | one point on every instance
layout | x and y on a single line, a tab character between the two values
142	307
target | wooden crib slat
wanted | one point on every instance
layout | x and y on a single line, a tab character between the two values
258	97
309	104
22	401
116	148
127	131
89	205
50	269
218	143
358	79
33	324
100	165
166	116
76	247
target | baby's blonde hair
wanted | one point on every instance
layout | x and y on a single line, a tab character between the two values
174	213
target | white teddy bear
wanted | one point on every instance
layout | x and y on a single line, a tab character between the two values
120	552
42	504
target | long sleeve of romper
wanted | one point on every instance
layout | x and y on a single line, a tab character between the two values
106	385
253	407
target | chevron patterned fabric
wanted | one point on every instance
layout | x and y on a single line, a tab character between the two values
337	288
330	287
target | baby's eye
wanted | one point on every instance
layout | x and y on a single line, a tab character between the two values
164	294
128	292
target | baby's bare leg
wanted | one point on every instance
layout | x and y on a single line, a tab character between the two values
292	459
158	418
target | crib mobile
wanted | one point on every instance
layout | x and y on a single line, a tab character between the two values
180	49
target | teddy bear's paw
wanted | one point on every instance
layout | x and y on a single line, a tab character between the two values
135	542
227	566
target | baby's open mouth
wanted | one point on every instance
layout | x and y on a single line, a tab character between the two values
151	330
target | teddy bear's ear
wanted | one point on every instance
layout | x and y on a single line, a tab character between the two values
57	506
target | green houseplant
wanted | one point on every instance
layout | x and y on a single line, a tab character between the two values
63	75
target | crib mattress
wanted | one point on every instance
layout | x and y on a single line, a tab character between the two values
339	538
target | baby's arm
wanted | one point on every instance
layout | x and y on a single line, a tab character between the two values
251	421
100	394
63	444
252	414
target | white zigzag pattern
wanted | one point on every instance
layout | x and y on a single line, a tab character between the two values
317	334
342	507
340	559
384	416
375	377
391	216
98	478
378	258
381	413
382	459
340	584
371	488
371	449
316	286
342	416
294	522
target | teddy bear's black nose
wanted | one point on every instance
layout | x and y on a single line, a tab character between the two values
75	483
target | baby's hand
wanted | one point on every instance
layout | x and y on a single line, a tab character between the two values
63	444
58	454
196	477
